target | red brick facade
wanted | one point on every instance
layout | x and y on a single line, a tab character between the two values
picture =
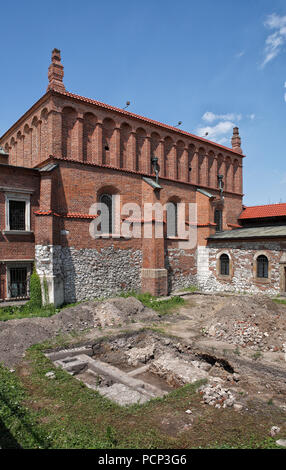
97	149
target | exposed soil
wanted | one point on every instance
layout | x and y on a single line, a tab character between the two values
237	340
18	335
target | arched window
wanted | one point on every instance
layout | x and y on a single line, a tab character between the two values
172	219
262	266
107	200
224	265
218	219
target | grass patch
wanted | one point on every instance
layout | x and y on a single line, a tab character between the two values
161	306
38	412
190	289
27	310
280	301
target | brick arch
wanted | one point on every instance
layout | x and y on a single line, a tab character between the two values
36	140
211	169
20	149
228	174
220	167
168	150
27	146
180	160
89	144
192	164
202	166
108	145
69	116
155	141
236	181
107	189
13	155
140	148
125	150
44	114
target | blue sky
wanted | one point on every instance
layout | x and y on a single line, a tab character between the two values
210	64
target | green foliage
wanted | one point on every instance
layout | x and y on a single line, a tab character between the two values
190	289
35	290
27	310
18	425
46	291
161	306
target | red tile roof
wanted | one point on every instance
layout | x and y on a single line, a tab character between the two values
261	212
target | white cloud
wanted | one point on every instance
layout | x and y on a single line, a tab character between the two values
275	40
211	117
216	133
240	54
251	116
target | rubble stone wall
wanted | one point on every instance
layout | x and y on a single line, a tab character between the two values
89	273
242	267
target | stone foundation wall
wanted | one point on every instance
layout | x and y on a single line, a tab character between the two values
181	266
242	267
88	273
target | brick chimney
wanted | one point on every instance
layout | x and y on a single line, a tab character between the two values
56	72
236	141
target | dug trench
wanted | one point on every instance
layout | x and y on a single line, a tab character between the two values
233	344
138	366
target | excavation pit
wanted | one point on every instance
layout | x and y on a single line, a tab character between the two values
134	368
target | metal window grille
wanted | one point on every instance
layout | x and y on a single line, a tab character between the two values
218	220
262	266
17	215
224	265
18	283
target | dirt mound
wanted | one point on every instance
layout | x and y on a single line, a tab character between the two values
248	321
18	335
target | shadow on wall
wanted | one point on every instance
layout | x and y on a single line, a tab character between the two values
90	274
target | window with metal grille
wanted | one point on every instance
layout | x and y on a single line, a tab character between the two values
107	200
262	266
17	215
18	282
218	220
224	265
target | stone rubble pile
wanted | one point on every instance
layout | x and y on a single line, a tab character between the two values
243	334
218	396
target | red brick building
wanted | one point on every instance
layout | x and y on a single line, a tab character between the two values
68	152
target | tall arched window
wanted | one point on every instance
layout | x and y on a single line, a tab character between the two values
224	265
107	200
262	266
172	219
